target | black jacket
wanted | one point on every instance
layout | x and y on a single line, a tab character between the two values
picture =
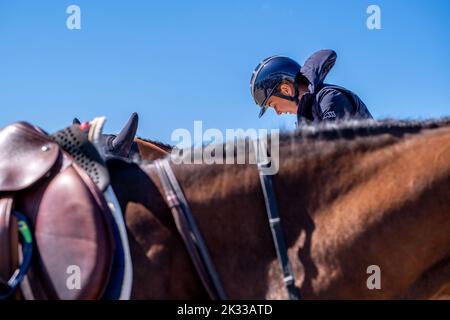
325	102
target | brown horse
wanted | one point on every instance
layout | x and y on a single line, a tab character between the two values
349	197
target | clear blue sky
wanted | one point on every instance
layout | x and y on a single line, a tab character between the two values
178	61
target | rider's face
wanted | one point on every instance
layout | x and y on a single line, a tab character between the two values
281	105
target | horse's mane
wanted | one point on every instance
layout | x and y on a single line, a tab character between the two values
346	130
349	129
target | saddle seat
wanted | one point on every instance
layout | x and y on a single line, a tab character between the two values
68	215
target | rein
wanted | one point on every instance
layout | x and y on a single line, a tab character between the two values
195	244
187	227
277	232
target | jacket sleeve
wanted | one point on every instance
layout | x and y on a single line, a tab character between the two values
334	105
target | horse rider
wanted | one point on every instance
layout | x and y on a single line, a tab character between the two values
281	83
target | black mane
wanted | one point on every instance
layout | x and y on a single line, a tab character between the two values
344	129
352	129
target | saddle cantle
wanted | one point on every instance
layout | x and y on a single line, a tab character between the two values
19	144
68	214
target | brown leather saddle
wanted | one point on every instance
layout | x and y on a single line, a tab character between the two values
67	213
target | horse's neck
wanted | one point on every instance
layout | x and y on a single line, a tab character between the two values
227	203
360	204
382	203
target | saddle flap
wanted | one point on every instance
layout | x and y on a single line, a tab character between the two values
74	239
26	155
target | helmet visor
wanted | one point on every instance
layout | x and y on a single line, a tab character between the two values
262	111
261	97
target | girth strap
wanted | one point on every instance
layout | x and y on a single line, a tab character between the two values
189	231
277	232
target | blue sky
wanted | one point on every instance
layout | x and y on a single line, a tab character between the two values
178	61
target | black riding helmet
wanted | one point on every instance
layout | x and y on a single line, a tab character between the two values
268	75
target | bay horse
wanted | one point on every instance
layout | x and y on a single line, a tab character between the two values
350	196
